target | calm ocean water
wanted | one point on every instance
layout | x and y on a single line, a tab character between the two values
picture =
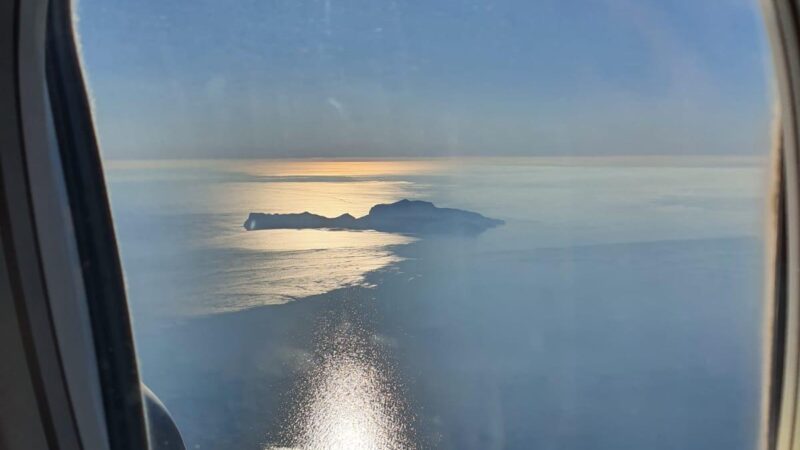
618	308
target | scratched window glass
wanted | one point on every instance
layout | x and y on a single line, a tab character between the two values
457	225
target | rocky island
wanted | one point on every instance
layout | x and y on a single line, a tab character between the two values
405	216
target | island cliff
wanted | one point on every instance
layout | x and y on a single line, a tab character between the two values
405	216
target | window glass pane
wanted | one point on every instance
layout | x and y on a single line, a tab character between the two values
609	297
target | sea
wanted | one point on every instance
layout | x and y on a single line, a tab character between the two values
619	307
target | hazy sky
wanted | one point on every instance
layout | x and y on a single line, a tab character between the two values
378	78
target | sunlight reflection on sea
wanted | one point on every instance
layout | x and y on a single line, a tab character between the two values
351	399
278	266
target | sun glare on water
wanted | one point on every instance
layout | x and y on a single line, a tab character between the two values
349	401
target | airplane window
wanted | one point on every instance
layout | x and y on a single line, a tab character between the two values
456	225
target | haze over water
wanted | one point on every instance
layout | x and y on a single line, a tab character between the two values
618	308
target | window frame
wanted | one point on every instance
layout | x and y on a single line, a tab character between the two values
780	420
74	326
58	245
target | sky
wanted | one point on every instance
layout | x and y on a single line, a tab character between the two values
383	78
